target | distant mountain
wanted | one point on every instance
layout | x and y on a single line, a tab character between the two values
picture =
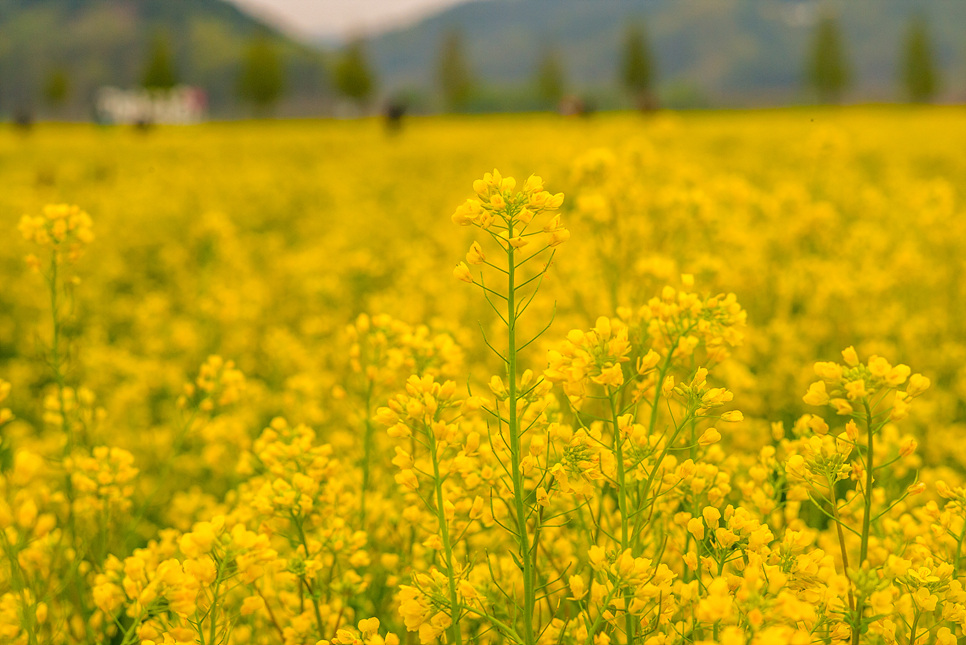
105	42
723	52
707	52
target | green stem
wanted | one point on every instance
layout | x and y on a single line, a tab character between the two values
592	630
455	634
29	619
912	630
622	504
57	365
162	478
841	535
653	473
366	456
662	373
959	551
315	598
694	441
213	612
642	494
505	628
131	631
867	517
513	428
55	357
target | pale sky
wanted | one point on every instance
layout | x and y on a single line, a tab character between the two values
343	18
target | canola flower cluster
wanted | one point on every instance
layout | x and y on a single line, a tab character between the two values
374	478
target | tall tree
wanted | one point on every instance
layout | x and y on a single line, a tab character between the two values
56	88
637	67
262	78
352	76
919	74
827	71
455	79
550	78
159	73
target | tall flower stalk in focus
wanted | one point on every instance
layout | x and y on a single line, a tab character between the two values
524	253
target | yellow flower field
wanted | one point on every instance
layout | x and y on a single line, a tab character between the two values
689	378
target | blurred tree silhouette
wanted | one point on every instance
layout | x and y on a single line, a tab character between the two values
453	72
919	73
550	78
262	77
159	71
637	67
827	72
56	88
352	76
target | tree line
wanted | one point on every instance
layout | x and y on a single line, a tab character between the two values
261	79
827	73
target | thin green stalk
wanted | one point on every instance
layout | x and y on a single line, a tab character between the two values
271	614
315	599
652	423
29	624
55	357
622	504
662	373
591	632
505	628
867	516
162	478
959	551
654	471
513	429
841	536
694	440
130	632
455	633
915	626
366	456
56	361
213	611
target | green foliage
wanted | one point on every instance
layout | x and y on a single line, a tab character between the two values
57	87
353	77
262	78
455	79
101	44
919	75
159	71
637	73
637	66
828	73
736	53
551	80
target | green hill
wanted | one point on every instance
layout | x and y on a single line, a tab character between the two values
106	42
726	52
